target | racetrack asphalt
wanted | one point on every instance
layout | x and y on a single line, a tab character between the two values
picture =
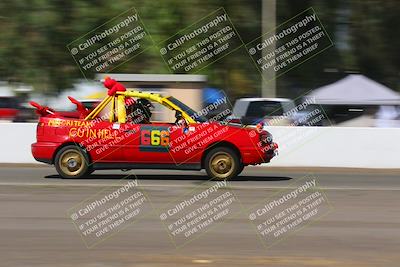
362	227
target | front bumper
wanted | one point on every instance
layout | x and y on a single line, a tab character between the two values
270	151
44	151
260	154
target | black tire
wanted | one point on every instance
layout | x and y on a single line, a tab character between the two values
72	162
240	169
222	163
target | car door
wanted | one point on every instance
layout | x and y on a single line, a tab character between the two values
107	137
146	143
152	140
101	139
186	143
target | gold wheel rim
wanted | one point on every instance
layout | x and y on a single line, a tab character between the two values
222	165
71	162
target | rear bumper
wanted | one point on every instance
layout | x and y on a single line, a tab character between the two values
44	151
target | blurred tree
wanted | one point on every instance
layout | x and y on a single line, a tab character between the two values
34	35
364	42
375	40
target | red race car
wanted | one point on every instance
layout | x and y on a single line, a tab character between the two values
121	133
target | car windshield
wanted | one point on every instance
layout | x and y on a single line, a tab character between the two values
195	115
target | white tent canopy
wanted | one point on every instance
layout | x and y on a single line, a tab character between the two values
355	90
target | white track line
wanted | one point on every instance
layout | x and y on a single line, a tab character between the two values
196	185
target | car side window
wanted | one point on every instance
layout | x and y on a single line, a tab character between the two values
143	111
162	114
261	109
136	113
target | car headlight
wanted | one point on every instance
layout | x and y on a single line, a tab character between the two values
266	137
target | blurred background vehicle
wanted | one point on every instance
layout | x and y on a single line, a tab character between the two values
13	105
8	108
250	111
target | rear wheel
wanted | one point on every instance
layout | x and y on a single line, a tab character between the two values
222	163
72	162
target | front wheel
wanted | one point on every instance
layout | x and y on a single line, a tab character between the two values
222	163
72	162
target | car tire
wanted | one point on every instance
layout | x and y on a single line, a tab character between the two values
222	163
72	162
240	169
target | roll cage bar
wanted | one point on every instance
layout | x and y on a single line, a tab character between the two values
120	97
